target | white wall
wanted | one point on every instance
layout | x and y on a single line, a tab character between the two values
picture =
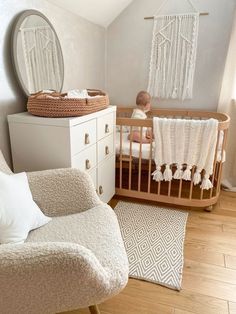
227	105
129	45
83	48
100	12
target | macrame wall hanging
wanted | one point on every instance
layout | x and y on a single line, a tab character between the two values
173	54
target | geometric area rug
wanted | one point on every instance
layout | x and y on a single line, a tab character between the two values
154	241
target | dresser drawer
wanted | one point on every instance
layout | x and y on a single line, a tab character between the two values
93	175
105	147
105	125
83	136
106	179
86	159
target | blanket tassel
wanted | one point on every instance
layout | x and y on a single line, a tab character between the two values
187	174
197	177
178	172
157	174
206	183
167	173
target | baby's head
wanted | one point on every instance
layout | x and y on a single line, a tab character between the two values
143	101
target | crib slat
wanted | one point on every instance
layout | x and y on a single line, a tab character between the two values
221	163
217	172
201	191
191	184
140	159
214	164
121	140
169	183
180	188
150	164
201	194
130	156
159	188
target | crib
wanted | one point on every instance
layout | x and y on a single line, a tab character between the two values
135	164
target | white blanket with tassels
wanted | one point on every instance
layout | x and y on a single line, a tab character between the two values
185	143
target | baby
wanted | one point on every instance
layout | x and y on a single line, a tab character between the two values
143	102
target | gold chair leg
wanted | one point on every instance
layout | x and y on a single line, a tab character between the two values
94	309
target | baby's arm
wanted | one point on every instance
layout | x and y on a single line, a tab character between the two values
149	134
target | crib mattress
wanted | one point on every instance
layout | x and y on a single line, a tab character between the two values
146	148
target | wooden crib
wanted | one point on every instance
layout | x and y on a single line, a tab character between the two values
134	165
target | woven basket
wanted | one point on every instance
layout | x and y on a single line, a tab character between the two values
56	105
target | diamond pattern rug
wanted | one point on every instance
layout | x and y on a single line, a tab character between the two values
154	241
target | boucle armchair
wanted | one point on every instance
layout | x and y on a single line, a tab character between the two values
77	260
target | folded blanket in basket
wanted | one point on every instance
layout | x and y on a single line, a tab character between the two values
82	94
185	143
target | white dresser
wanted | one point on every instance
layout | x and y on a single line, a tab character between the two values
86	143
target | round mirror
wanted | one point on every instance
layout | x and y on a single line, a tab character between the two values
37	54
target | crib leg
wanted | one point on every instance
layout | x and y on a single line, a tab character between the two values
209	209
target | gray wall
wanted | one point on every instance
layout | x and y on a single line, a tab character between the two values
83	49
129	45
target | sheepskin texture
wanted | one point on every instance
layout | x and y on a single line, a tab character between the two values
77	260
63	191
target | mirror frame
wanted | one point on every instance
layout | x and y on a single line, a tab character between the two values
20	18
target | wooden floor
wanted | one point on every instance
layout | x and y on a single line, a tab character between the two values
209	278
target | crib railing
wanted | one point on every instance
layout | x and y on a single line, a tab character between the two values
133	174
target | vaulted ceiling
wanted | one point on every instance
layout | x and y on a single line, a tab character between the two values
101	12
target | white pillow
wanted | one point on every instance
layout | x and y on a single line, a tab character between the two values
18	212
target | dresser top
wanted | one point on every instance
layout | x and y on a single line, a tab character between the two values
25	117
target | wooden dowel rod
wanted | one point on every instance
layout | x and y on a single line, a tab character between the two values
152	17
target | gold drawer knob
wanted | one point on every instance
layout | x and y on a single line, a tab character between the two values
107	128
107	150
87	164
100	190
86	139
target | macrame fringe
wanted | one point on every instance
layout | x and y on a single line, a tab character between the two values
167	173
187	174
206	183
178	173
174	94
157	174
